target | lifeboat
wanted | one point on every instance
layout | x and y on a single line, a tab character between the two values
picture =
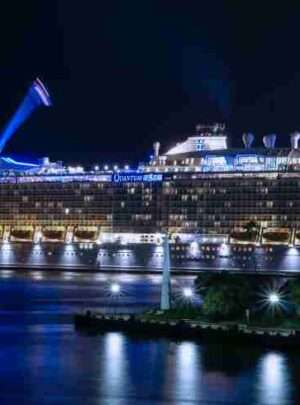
85	234
22	234
276	236
243	237
53	234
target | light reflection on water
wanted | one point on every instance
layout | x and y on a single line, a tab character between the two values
188	371
114	364
274	379
44	361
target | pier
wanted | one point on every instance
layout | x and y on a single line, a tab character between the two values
145	325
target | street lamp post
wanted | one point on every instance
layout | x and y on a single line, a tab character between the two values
166	281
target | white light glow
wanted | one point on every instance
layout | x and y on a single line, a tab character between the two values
194	245
187	292
115	288
68	276
6	273
37	276
292	250
274	298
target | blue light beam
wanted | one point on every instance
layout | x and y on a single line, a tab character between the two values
36	96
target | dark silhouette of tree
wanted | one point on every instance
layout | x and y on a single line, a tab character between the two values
294	287
225	296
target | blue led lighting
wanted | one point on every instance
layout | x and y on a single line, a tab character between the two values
15	162
136	178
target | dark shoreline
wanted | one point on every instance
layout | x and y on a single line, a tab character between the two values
188	329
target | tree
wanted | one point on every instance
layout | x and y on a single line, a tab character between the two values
294	287
225	296
218	304
251	227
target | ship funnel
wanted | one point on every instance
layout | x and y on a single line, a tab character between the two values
156	147
269	141
295	136
248	139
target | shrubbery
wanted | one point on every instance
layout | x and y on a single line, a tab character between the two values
227	297
294	287
224	295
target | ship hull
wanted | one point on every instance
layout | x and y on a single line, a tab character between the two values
148	257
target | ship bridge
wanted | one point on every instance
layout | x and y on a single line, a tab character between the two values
208	137
207	151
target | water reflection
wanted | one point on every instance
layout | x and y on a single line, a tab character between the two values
113	370
188	372
274	380
39	346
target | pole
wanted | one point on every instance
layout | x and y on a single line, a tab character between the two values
165	287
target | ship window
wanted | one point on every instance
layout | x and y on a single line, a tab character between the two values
88	198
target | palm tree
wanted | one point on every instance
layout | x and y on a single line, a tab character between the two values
251	227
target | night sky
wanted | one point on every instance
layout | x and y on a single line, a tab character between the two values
123	74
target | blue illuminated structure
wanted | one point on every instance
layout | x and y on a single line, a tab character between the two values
13	163
136	177
36	96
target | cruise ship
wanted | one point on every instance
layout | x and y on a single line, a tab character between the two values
222	209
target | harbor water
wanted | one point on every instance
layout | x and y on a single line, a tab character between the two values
44	360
